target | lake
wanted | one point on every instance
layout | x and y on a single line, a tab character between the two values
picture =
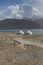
34	31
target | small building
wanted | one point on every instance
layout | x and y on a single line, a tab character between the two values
20	32
29	32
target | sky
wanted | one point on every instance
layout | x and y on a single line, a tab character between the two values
20	8
5	3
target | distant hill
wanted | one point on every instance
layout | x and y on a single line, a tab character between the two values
39	22
25	23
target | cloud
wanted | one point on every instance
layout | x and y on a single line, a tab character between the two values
16	11
37	12
11	12
31	2
28	8
37	6
41	5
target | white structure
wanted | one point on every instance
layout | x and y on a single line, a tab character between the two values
21	32
29	32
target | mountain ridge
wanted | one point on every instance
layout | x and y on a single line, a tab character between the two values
25	23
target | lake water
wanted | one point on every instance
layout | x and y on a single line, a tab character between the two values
34	31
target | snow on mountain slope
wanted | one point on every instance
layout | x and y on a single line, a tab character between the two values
19	11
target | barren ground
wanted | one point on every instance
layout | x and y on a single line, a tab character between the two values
13	52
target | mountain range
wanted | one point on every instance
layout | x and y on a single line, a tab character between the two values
25	23
20	11
24	16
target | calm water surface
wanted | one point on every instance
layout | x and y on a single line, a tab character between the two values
34	31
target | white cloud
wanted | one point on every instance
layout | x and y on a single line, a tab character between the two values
16	11
37	6
41	5
11	12
28	8
37	12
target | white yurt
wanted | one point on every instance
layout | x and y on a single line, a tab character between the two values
29	32
21	32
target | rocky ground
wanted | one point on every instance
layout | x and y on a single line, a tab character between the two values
12	52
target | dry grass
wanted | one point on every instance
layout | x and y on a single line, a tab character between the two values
34	36
13	52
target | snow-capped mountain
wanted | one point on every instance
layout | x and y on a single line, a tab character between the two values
20	11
